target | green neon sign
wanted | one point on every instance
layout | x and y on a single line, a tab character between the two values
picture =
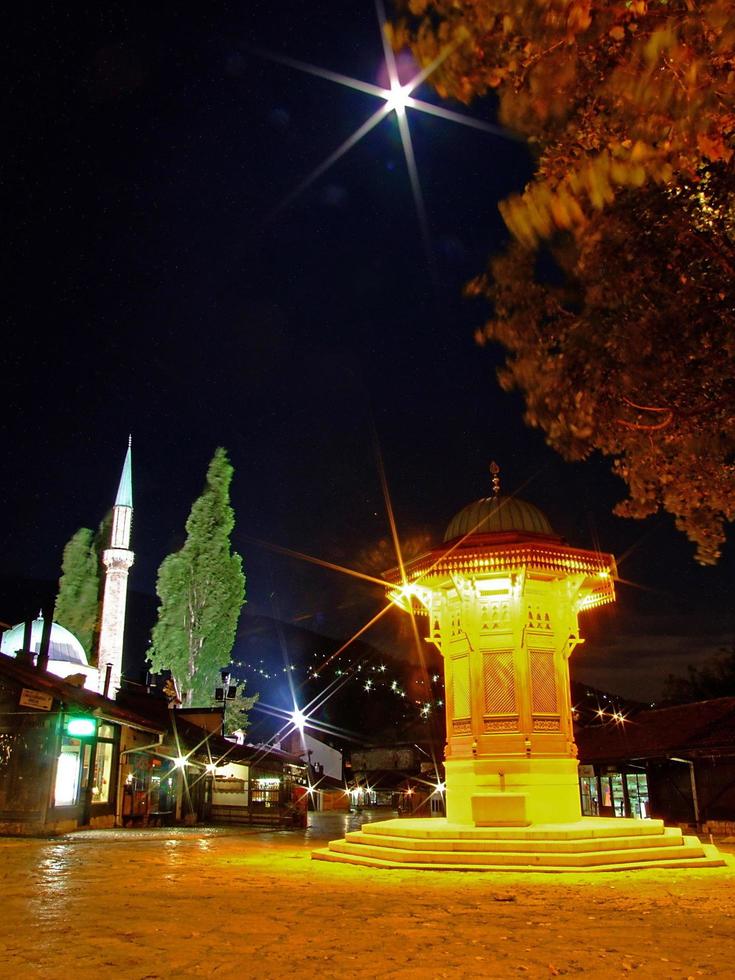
81	727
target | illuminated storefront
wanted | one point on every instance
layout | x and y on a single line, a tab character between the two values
244	791
59	753
70	758
150	788
613	793
676	763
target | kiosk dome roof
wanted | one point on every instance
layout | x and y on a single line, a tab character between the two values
498	514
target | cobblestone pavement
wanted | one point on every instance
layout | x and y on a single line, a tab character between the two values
221	902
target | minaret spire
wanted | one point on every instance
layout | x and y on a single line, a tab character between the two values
125	490
117	559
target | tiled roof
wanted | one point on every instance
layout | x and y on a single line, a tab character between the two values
659	732
69	694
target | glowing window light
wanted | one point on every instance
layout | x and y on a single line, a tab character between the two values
67	779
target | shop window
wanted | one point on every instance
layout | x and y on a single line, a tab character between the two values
103	763
149	788
637	786
613	799
69	771
589	796
102	772
266	791
24	762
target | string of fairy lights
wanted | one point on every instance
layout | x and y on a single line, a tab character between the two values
372	680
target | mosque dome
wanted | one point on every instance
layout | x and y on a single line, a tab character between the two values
64	648
498	514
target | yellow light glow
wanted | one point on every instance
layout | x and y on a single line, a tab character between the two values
499	584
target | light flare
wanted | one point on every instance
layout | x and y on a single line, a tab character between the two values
357	635
322	562
397	98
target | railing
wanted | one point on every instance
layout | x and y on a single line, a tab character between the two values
274	816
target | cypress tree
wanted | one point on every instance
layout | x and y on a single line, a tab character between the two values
77	601
201	589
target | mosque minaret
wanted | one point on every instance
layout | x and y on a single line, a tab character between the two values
117	559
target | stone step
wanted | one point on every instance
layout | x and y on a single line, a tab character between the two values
690	848
709	859
588	827
671	837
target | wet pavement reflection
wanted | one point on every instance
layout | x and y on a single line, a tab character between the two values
321	827
231	902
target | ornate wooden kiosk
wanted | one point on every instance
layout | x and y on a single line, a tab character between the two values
501	598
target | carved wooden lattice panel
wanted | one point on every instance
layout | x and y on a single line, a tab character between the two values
493	725
543	682
461	687
499	680
546	725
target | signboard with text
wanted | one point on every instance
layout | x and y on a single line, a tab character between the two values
35	699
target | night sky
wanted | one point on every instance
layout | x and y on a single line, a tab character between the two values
156	285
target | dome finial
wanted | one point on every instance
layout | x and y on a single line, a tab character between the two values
494	470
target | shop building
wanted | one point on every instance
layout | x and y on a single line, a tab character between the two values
676	763
71	758
60	752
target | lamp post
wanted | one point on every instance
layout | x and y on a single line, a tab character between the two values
225	693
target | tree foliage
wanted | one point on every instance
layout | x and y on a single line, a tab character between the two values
236	710
615	94
77	602
639	361
201	589
714	679
631	108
